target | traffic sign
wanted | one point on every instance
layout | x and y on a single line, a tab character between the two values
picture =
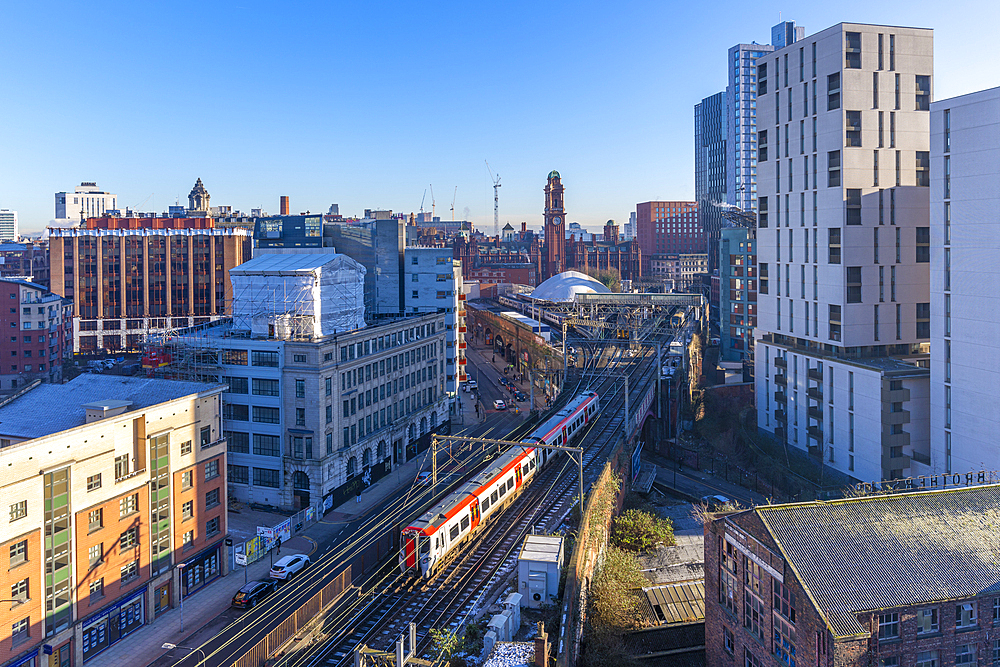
241	559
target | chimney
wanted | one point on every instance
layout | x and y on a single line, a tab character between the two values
285	206
524	227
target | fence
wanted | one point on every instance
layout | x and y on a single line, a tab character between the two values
257	547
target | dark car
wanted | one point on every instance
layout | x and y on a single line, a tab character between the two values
520	396
253	592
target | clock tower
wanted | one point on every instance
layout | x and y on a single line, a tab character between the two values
555	226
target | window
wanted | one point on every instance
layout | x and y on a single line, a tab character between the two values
19	510
234	357
265	415
834	322
212	527
750	660
854	284
923	93
300	389
94	482
928	659
235	411
188	539
784	641
762	79
888	626
853	206
95	520
299	358
889	661
122	467
97	588
728	641
18	553
130	572
833	92
19	591
187	510
237	442
923	169
753	614
833	169
186	482
266	477
19	631
212	469
947	130
238	474
95	554
236	385
965	654
965	615
762	146
854	128
264	387
927	621
784	601
266	445
129	538
852	51
834	245
923	244
258	358
185	447
212	499
300	416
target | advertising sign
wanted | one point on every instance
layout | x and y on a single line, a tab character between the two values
241	558
266	532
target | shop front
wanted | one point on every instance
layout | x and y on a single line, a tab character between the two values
116	621
202	569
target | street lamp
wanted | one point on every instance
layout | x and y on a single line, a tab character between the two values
181	566
170	647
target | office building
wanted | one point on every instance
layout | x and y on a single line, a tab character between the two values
965	311
629	232
681	271
904	579
8	225
118	487
40	334
737	295
710	172
844	248
130	278
318	404
86	201
433	282
28	260
668	227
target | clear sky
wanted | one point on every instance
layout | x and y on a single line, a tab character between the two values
368	103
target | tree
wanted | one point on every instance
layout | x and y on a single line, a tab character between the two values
639	531
610	278
445	643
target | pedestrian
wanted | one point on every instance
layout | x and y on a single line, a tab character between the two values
359	494
278	544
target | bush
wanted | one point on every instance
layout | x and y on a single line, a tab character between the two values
614	607
639	531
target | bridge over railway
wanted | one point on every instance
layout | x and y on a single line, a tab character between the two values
355	595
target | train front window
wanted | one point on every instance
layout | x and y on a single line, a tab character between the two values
425	545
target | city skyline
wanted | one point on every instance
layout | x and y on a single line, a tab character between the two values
198	95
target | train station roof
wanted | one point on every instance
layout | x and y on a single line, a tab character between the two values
561	288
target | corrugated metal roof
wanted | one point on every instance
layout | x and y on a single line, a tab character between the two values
882	552
680	602
266	262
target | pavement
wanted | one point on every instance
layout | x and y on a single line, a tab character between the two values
207	611
693	485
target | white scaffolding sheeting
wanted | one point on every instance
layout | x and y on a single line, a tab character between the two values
298	296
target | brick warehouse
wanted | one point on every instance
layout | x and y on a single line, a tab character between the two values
891	580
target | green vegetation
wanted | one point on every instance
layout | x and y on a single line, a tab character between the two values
614	607
639	531
610	278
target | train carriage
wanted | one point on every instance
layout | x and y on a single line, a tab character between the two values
429	540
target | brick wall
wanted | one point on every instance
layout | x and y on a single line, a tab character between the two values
11	574
196	493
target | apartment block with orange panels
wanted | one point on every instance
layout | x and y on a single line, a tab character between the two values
97	466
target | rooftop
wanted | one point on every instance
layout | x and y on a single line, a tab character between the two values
884	552
51	408
291	262
564	286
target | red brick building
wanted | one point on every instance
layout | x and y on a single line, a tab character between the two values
38	334
900	580
519	274
668	227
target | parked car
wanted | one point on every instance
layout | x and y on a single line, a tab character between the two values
520	396
714	502
289	566
253	592
424	479
499	405
471	385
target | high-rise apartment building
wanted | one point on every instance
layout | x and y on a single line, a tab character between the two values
844	248
8	225
737	294
668	227
128	281
710	172
117	495
433	280
965	272
86	201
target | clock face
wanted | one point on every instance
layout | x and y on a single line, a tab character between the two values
556	220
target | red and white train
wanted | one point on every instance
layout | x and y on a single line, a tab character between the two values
426	542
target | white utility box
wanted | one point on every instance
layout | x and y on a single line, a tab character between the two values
538	568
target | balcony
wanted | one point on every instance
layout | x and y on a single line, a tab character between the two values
779	433
780	397
901	417
462	329
815	393
781	379
816	433
780	362
815	413
216	443
895	395
815	374
895	440
781	416
461	297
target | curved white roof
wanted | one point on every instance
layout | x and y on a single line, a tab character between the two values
564	286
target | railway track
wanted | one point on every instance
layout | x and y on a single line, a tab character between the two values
457	591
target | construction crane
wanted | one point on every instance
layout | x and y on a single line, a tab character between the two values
453	204
496	200
432	201
422	199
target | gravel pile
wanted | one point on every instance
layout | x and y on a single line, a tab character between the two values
511	654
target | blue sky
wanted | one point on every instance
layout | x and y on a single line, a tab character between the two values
366	104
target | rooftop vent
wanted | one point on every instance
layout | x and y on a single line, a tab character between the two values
103	409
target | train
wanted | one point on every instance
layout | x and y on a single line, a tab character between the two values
428	541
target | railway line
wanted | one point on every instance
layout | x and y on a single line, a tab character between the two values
390	600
